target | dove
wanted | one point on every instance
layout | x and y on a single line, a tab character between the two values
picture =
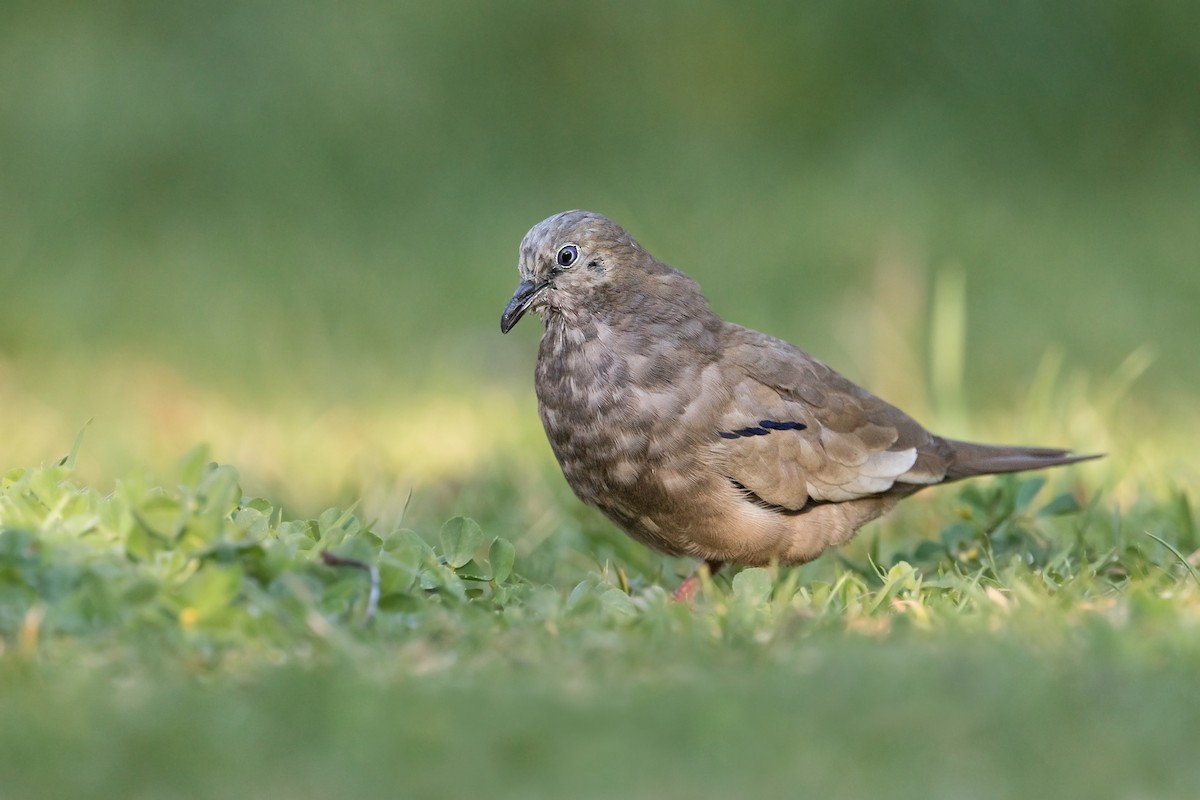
699	437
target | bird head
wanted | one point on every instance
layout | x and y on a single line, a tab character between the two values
568	261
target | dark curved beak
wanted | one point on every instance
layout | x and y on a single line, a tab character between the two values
522	297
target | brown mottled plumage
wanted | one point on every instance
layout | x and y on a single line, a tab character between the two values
700	437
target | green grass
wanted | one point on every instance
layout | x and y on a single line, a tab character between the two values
1042	641
847	718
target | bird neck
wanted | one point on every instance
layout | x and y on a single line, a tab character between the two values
640	329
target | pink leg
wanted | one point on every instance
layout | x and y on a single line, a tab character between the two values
691	584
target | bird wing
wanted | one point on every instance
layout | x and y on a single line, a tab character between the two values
795	432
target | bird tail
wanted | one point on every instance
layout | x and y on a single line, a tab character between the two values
968	458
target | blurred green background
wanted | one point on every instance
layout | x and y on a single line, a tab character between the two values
221	218
288	230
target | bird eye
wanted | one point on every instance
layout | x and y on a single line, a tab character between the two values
567	255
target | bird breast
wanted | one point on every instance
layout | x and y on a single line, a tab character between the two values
614	407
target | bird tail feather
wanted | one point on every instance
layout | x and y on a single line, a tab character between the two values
968	458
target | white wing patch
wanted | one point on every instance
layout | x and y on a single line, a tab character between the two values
890	464
875	475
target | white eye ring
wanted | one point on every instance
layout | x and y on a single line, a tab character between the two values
568	254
